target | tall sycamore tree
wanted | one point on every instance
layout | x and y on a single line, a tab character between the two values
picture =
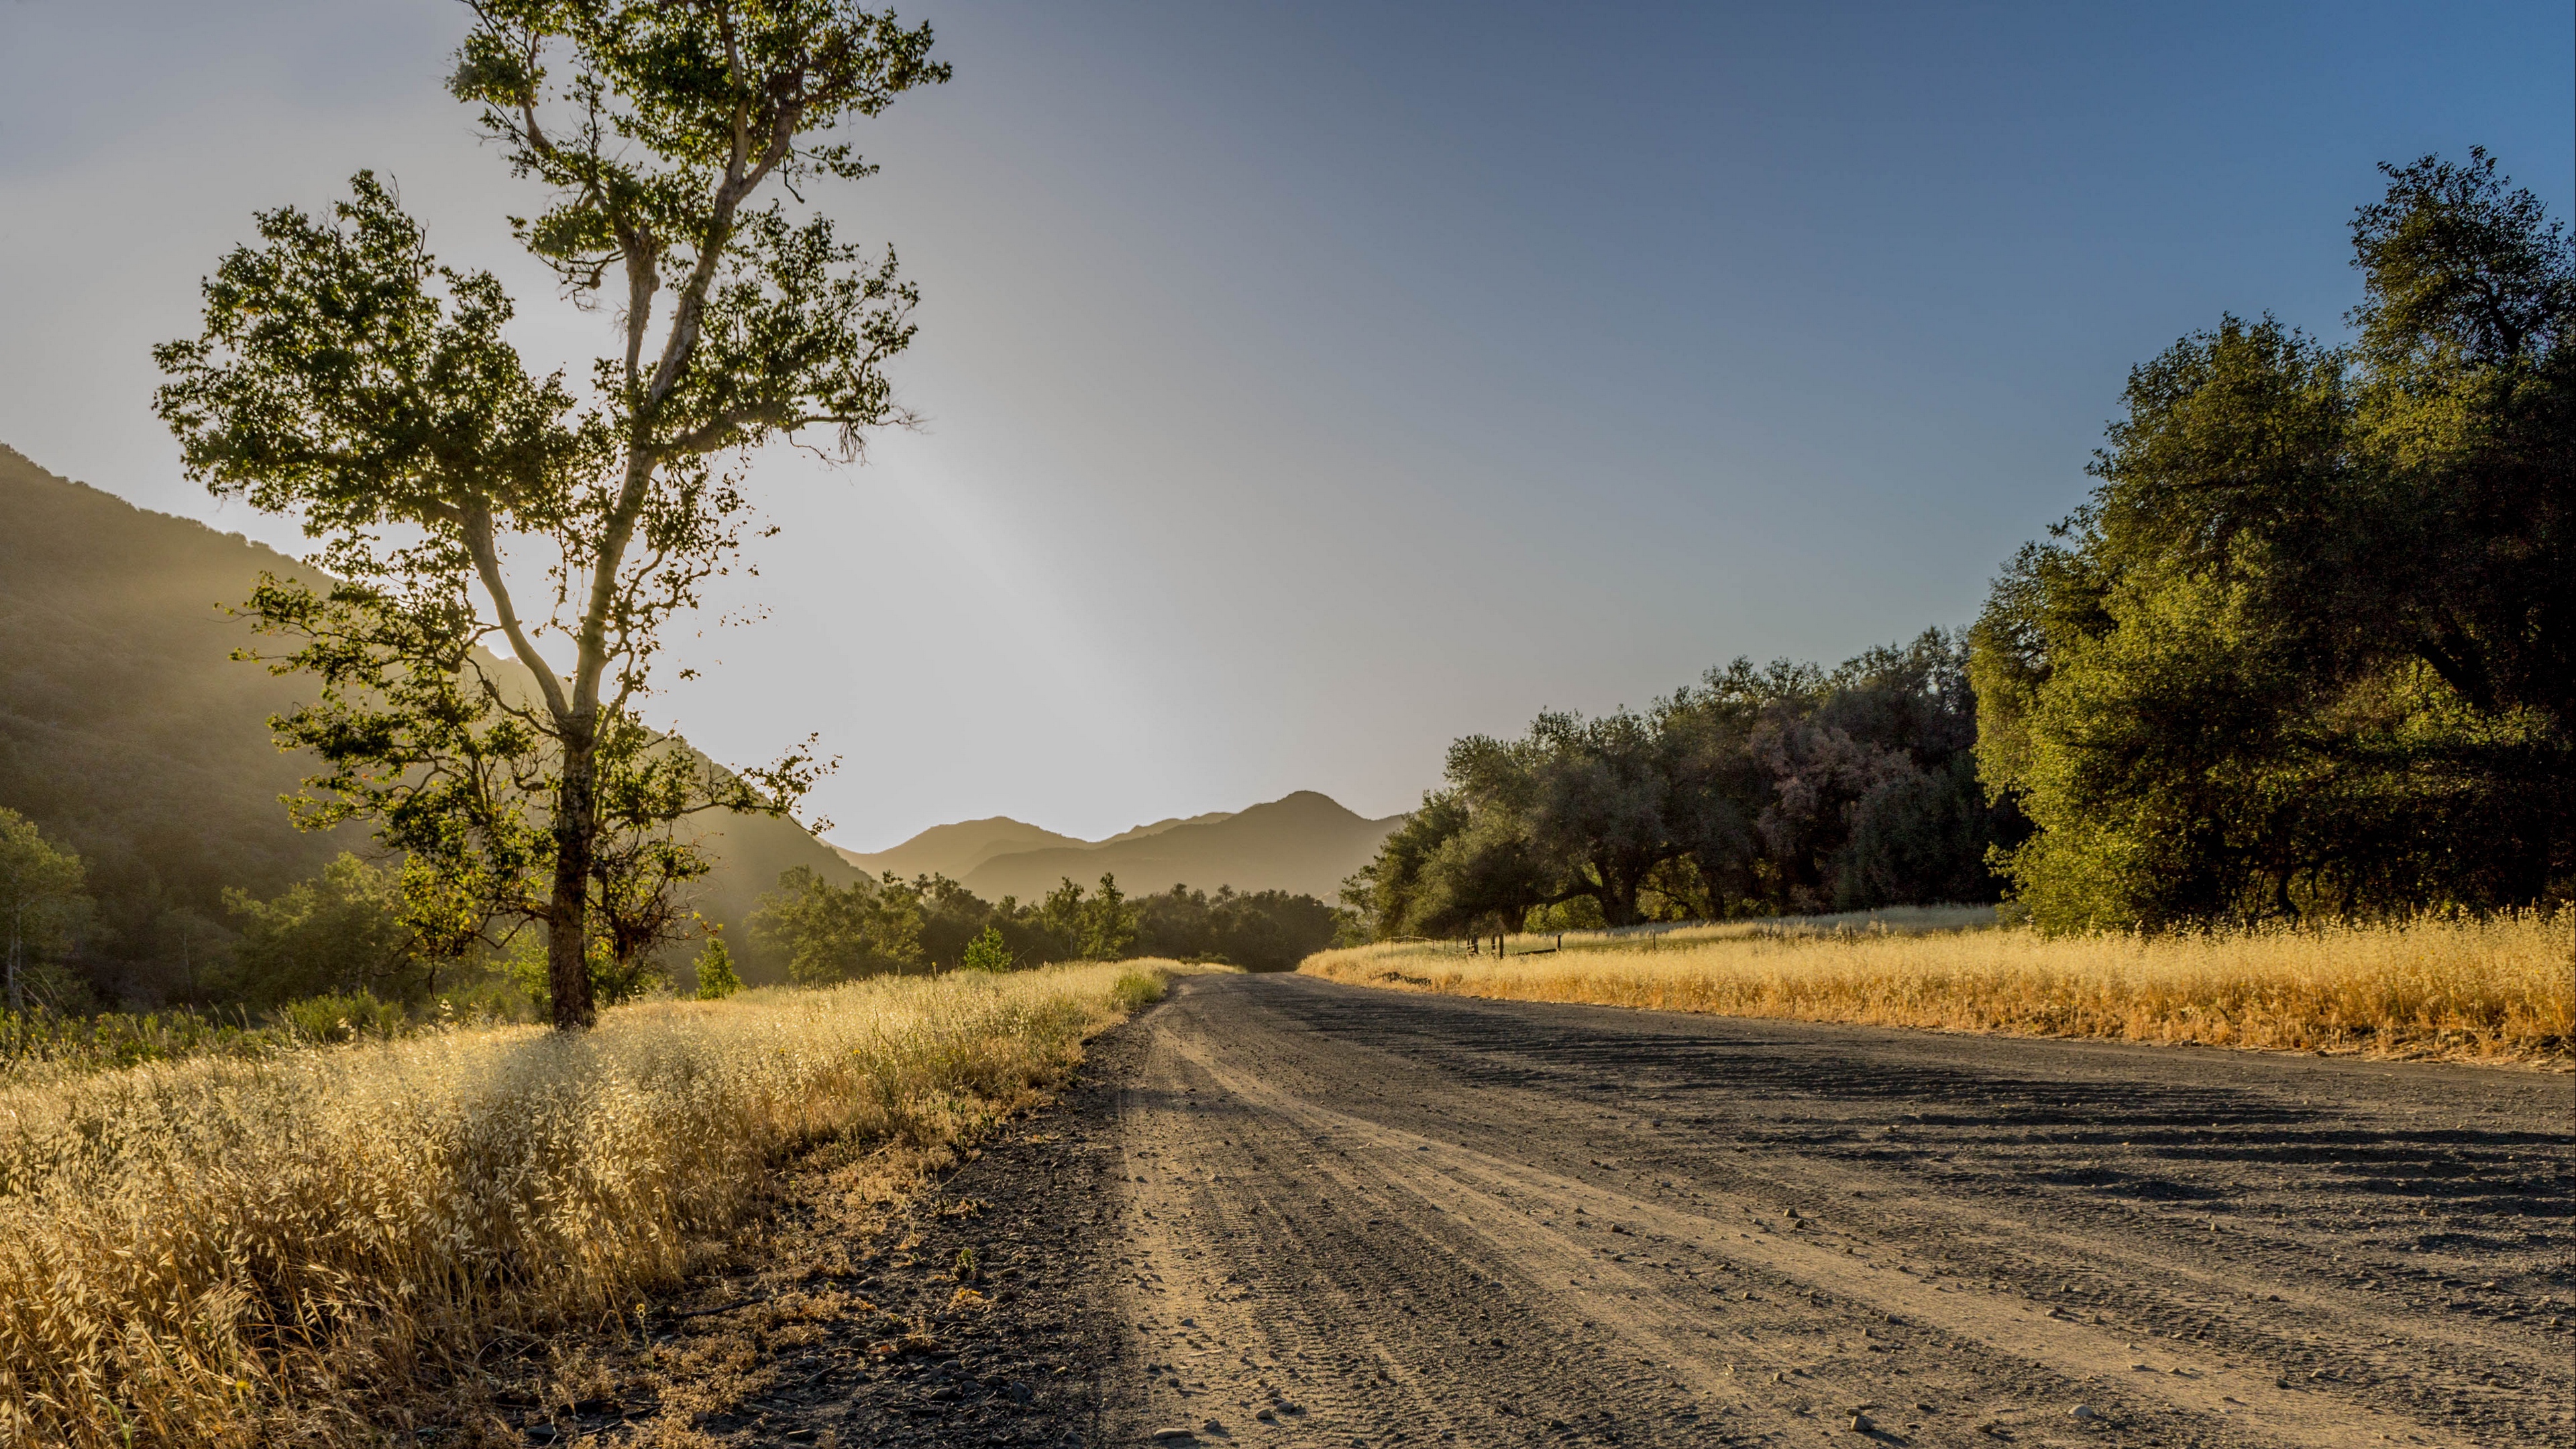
348	379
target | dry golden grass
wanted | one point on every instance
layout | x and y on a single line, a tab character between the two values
2501	989
221	1251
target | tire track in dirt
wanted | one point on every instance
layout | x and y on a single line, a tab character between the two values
1346	1216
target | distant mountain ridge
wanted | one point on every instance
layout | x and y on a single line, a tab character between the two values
953	850
1305	842
1159	826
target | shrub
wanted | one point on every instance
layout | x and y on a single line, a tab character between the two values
987	953
343	1016
1135	990
716	978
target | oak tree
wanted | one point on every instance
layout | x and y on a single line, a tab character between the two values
2310	648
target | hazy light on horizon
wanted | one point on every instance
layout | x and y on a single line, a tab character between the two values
1306	387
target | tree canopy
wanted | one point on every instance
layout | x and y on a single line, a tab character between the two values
43	905
1757	791
817	932
348	379
2307	650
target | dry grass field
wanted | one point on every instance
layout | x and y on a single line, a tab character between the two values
2501	989
220	1250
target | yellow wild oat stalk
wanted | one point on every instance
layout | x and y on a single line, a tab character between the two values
223	1250
2498	988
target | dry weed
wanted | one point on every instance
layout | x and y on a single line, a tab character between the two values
225	1250
2500	988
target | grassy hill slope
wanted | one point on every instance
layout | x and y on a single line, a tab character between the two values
127	731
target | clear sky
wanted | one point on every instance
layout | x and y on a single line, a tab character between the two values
1307	385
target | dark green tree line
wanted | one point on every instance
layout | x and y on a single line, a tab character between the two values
812	932
1257	930
1757	791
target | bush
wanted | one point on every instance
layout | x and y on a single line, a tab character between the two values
340	931
347	1016
987	953
1135	990
716	977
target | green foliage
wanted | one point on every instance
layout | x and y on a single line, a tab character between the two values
521	968
341	931
832	933
1755	792
952	919
106	1041
2309	649
615	978
43	905
1259	931
1076	927
127	736
343	1017
1108	924
714	971
815	931
347	379
1582	913
1137	990
109	1040
987	952
351	927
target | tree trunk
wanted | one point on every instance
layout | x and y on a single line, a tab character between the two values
1618	895
568	912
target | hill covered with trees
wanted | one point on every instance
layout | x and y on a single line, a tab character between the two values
132	740
130	737
127	733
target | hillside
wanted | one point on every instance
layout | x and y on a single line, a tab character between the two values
127	731
1305	842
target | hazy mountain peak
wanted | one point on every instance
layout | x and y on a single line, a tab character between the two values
1303	841
954	849
1159	826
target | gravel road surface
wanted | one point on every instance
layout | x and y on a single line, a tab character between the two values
1338	1216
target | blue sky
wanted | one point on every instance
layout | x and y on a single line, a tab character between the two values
1308	385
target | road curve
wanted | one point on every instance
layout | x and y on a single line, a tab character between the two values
1350	1217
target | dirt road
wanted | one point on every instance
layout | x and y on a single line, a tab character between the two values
1347	1217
